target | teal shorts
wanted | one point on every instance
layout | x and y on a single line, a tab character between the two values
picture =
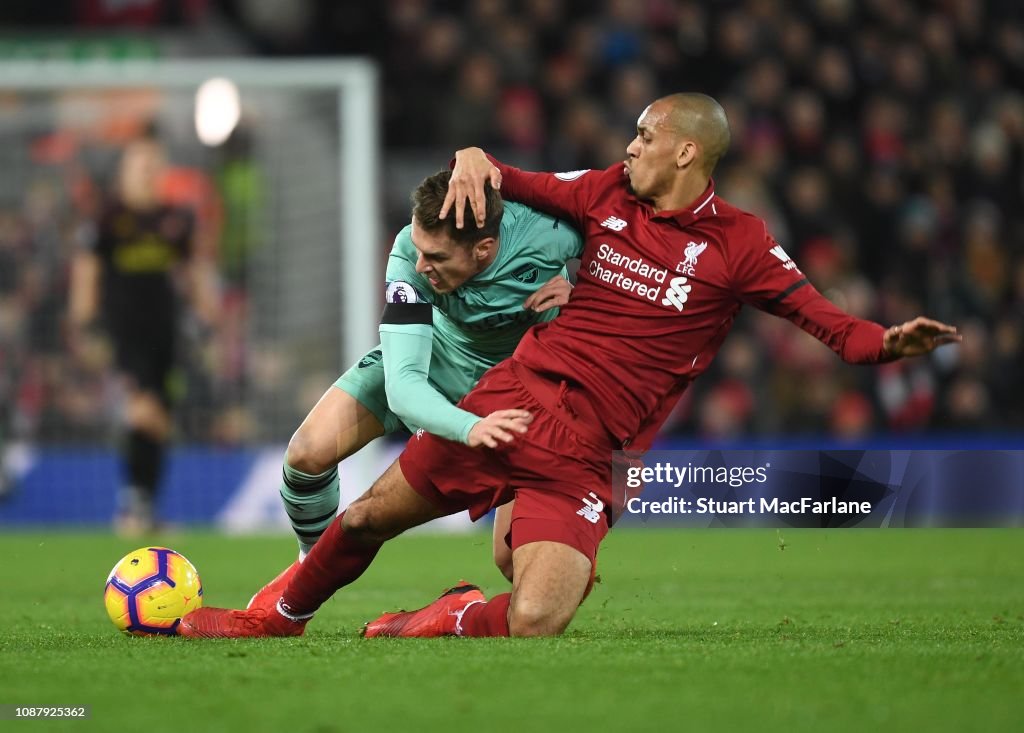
364	380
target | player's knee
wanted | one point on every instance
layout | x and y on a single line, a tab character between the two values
303	454
526	618
362	524
503	560
358	522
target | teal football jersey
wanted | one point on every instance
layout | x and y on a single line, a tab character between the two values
481	323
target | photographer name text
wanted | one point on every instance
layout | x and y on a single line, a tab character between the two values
678	476
774	505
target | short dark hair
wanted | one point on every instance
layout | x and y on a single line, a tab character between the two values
428	198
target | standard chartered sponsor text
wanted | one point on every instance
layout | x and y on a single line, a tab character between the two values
621	278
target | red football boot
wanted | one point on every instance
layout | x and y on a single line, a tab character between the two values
225	623
443	617
268	596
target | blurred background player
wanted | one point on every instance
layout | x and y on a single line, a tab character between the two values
129	276
457	303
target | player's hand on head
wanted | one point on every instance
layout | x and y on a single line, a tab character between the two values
552	294
917	337
498	428
472	170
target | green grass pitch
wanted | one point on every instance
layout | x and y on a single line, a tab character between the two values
731	630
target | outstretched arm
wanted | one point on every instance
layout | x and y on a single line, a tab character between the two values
769	279
857	341
919	336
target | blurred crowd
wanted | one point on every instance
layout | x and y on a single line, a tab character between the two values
882	141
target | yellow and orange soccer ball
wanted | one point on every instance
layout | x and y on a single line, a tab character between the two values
150	589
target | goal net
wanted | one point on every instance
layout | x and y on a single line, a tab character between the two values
286	202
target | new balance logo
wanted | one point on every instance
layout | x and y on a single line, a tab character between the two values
591	510
677	293
784	258
614	223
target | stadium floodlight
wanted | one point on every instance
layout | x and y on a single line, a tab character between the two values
218	109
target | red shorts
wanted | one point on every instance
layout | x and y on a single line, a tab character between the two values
559	472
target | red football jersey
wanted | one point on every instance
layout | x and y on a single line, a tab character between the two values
658	292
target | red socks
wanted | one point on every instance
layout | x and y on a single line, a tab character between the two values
334	562
486	619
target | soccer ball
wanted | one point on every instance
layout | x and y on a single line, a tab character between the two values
150	589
